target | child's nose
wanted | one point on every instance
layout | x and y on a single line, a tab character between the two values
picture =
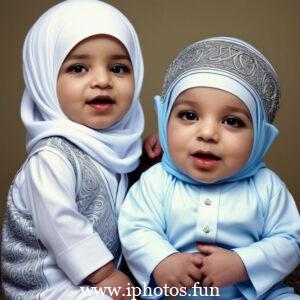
101	79
208	131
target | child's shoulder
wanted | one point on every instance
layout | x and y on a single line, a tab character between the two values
155	178
57	143
154	185
49	151
266	176
267	182
60	147
53	152
156	172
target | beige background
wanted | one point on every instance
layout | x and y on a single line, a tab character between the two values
166	27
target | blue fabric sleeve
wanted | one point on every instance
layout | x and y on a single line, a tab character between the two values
142	224
277	254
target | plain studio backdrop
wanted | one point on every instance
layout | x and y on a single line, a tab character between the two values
165	27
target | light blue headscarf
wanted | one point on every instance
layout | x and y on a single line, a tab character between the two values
231	65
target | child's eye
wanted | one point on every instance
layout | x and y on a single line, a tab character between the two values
119	69
234	122
187	116
77	69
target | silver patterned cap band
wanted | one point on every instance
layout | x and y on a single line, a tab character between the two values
231	56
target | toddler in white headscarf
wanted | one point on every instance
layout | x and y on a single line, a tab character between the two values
212	192
83	72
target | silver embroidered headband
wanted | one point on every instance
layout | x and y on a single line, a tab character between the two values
232	56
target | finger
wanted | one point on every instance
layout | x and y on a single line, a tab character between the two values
207	282
149	150
176	285
156	146
197	259
210	248
155	138
150	140
206	249
188	282
158	150
196	274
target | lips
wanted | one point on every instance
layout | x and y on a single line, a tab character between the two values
205	160
206	155
101	100
101	103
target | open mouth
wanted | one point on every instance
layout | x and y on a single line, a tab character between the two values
206	156
205	160
101	101
101	104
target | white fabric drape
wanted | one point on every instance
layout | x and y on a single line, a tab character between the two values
47	44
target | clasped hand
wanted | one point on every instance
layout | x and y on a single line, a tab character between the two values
211	266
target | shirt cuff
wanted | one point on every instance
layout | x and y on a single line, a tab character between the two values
149	258
84	258
251	257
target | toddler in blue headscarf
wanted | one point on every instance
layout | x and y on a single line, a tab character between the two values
211	214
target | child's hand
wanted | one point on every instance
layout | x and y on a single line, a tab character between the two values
121	282
152	154
178	269
109	276
152	147
221	267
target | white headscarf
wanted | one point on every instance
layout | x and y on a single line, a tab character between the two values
47	44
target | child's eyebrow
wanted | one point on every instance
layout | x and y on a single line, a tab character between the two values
77	56
235	109
182	101
120	56
86	56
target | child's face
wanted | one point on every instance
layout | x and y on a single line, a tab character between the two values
95	84
210	134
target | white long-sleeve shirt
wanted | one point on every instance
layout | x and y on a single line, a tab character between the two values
60	225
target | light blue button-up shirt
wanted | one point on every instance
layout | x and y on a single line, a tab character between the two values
256	217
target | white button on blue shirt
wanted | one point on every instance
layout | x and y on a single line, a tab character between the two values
206	229
207	201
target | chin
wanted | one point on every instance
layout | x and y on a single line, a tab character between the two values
206	180
96	127
99	126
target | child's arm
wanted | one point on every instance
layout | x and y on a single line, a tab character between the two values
277	254
221	267
109	276
142	225
64	231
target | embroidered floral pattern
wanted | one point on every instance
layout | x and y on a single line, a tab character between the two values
237	59
22	256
